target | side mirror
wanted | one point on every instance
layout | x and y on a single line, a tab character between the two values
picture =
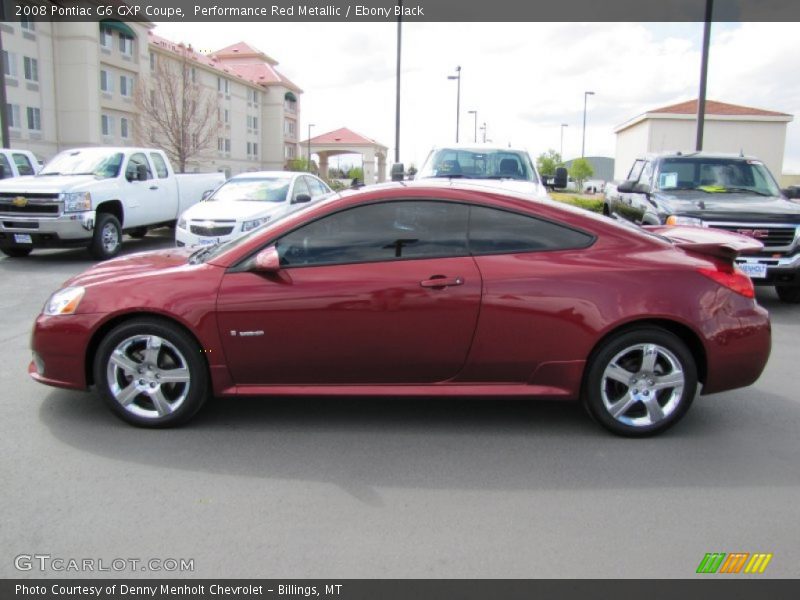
206	195
141	172
267	261
626	187
560	178
300	198
792	192
398	172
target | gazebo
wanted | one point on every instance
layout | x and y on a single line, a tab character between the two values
346	141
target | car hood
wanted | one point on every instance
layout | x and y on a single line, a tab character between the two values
730	207
241	210
44	184
134	265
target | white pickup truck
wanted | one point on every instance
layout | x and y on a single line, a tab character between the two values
90	196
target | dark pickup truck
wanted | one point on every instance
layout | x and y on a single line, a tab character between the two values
735	193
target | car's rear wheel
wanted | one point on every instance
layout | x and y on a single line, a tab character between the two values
640	382
16	252
138	233
790	295
151	373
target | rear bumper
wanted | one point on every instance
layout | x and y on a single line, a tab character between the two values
738	350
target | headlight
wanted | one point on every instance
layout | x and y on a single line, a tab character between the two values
248	225
64	302
678	220
77	201
182	223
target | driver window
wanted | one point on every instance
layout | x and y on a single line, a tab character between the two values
300	187
379	232
133	162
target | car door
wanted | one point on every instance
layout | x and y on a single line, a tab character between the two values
640	203
144	199
379	293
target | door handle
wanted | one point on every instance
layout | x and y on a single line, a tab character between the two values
153	187
441	282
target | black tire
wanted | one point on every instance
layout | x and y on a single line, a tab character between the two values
138	233
606	209
790	295
138	392
650	410
16	252
107	238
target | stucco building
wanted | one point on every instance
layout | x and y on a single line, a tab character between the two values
728	128
74	84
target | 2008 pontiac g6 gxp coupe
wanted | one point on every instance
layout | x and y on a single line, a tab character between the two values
425	289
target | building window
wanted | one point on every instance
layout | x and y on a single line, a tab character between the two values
106	38
227	116
224	144
107	125
152	61
252	96
289	151
252	123
26	23
125	44
106	81
193	74
9	63
252	150
123	128
126	85
289	128
223	85
12	114
290	102
31	66
34	119
227	144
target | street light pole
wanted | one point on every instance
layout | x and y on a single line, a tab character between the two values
483	130
701	98
583	141
561	150
308	168
457	77
397	100
474	113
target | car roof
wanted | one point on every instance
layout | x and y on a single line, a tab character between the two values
698	154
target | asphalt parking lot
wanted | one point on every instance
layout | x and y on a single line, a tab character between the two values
391	488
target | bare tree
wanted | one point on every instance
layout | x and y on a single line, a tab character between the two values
175	112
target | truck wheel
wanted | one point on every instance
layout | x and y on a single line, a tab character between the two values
790	295
16	252
107	238
138	233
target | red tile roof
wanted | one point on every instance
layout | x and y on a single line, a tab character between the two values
258	73
343	136
716	108
243	49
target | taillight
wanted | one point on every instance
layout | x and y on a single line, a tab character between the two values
733	279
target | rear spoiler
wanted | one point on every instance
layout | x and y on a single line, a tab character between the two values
709	241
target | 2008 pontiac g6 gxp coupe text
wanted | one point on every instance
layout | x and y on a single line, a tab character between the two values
419	289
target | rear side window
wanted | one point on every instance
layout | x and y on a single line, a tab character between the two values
161	166
493	231
24	165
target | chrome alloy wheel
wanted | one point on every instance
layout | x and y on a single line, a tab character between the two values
148	376
110	238
642	385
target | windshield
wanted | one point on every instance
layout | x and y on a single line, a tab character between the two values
716	175
209	252
255	189
87	161
478	164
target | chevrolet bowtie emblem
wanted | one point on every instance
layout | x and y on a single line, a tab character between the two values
20	201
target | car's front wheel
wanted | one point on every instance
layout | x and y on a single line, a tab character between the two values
790	295
640	382
151	373
107	237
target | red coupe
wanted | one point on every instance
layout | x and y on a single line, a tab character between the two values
434	289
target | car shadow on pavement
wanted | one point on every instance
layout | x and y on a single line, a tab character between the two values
745	438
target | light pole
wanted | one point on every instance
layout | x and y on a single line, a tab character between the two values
583	140
474	113
483	130
561	150
310	125
701	98
457	77
397	85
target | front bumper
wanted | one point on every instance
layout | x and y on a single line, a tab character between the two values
69	229
60	344
187	238
781	270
